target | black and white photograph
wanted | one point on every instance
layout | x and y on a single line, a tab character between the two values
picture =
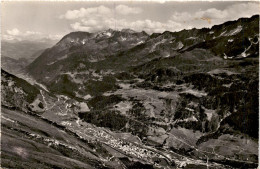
129	84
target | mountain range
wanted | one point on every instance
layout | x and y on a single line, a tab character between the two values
127	99
16	55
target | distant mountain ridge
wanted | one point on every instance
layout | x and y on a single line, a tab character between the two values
16	55
230	40
23	49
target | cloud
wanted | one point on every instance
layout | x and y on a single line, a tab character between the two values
87	12
54	37
28	33
140	25
13	32
125	10
212	13
100	18
213	16
16	34
8	37
77	26
243	10
100	11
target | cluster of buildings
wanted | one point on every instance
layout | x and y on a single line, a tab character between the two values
126	147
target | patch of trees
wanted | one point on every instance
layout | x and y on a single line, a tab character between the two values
64	86
135	164
95	88
111	119
103	102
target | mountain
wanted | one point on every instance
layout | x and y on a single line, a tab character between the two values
24	48
88	47
165	100
131	48
120	50
16	55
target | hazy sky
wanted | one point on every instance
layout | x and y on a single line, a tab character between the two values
27	20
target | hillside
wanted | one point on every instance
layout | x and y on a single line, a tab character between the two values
165	100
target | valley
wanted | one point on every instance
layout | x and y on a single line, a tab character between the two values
127	99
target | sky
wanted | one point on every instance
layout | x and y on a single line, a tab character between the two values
53	19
